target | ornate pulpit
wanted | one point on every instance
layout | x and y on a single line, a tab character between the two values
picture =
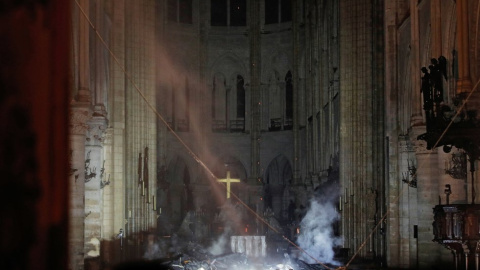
456	226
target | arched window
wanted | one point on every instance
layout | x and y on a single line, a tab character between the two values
275	103
240	97
238	124
219	104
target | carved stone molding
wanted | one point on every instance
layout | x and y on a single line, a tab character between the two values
78	121
83	95
419	146
108	135
96	132
405	144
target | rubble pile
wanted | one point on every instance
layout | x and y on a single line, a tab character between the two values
190	255
194	257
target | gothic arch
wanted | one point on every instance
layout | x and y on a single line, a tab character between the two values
229	163
229	64
231	104
280	62
179	197
278	178
218	101
274	100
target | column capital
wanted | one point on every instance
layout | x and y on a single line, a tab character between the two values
83	95
97	126
79	115
419	146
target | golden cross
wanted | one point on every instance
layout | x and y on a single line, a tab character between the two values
228	180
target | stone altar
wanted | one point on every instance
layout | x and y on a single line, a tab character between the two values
251	245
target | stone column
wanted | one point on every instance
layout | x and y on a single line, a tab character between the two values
117	112
296	83
392	227
436	28
79	116
464	83
428	251
361	163
416	118
101	79
94	174
255	75
84	47
108	229
80	113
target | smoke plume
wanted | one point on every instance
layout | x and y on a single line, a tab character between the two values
231	217
316	236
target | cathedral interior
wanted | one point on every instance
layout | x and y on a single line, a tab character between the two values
239	134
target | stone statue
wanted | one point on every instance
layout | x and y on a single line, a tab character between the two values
426	89
438	72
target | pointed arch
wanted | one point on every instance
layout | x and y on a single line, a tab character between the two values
275	101
219	102
180	197
238	124
278	178
230	93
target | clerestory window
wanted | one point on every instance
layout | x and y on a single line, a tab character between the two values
228	12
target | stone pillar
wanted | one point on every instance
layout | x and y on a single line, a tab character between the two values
80	113
464	83
100	53
403	213
255	86
117	119
94	174
427	160
84	47
361	161
296	84
79	116
393	185
416	118
139	122
436	28
108	229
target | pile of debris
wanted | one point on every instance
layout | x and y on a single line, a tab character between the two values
195	257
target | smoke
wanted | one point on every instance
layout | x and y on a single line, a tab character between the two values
231	217
218	246
316	236
155	248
